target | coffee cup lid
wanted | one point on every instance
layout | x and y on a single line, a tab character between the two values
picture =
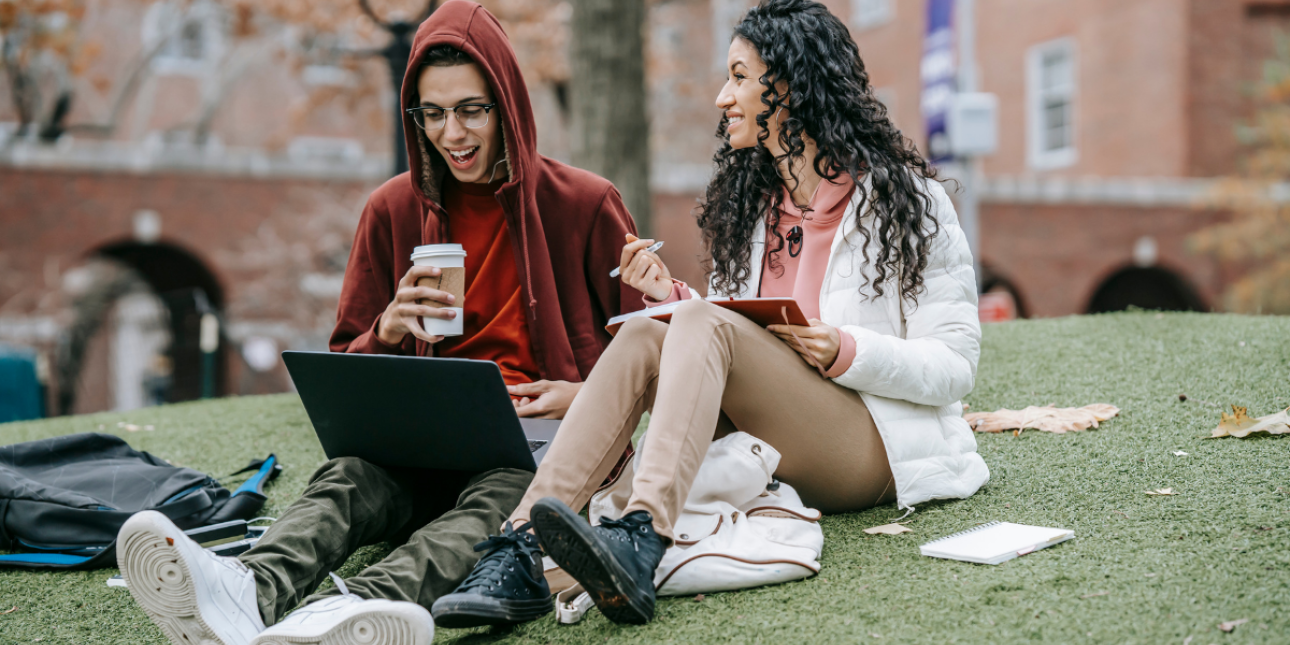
437	249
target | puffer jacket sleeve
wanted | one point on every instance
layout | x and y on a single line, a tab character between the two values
935	363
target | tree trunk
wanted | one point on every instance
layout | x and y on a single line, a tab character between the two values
608	99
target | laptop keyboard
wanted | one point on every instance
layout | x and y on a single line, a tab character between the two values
536	445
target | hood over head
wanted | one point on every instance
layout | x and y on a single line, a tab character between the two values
470	28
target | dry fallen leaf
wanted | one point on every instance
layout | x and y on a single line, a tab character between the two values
1232	624
1239	424
887	529
1046	418
1161	491
9	611
1179	453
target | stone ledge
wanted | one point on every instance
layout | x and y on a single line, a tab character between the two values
152	156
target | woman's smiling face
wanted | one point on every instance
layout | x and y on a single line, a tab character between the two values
740	97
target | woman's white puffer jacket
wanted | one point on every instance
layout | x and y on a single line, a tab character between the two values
914	363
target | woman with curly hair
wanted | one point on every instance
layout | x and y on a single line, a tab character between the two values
818	197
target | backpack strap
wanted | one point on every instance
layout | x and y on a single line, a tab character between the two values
267	470
249	498
43	560
186	503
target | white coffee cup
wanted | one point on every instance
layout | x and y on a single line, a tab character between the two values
451	260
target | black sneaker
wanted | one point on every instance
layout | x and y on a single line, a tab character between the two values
506	587
614	562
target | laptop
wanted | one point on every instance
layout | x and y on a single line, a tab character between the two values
418	412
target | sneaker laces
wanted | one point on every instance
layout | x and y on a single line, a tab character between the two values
340	584
500	559
306	613
631	530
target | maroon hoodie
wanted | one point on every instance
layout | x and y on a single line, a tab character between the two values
567	225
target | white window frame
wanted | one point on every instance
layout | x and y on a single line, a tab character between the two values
160	22
871	14
1036	96
324	68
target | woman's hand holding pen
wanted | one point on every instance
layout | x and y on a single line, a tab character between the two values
821	341
641	269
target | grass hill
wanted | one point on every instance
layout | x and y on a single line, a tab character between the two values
1142	569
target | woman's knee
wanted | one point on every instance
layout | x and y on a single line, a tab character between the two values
698	313
642	326
640	334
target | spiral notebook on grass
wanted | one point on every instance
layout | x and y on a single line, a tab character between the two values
995	542
763	311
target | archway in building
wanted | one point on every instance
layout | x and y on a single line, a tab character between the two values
135	337
1148	288
188	290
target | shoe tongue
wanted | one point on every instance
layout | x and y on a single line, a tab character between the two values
309	612
334	602
639	517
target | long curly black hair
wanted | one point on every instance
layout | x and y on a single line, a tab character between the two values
829	100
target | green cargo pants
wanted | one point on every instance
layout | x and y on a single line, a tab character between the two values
432	518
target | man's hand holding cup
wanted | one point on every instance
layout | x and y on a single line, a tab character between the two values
402	316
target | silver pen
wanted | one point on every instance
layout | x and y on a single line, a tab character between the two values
653	248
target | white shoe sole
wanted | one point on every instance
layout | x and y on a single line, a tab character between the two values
388	624
158	577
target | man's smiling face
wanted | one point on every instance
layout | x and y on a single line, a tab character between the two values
471	153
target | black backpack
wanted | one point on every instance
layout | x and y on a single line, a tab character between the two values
63	500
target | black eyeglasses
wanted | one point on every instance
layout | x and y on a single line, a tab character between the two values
471	115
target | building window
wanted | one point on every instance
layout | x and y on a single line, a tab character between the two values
869	14
188	40
1050	104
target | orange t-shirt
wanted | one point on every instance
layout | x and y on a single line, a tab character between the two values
495	328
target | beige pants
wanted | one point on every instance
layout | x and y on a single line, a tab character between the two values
704	375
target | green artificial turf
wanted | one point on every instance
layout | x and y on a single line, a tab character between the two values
1141	569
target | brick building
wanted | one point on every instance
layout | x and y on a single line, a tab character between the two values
1114	119
245	188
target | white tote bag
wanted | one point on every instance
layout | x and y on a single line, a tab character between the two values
739	528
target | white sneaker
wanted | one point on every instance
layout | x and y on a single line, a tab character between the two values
193	595
349	620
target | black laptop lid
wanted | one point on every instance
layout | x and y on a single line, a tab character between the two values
447	413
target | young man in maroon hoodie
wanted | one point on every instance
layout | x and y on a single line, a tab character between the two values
540	240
